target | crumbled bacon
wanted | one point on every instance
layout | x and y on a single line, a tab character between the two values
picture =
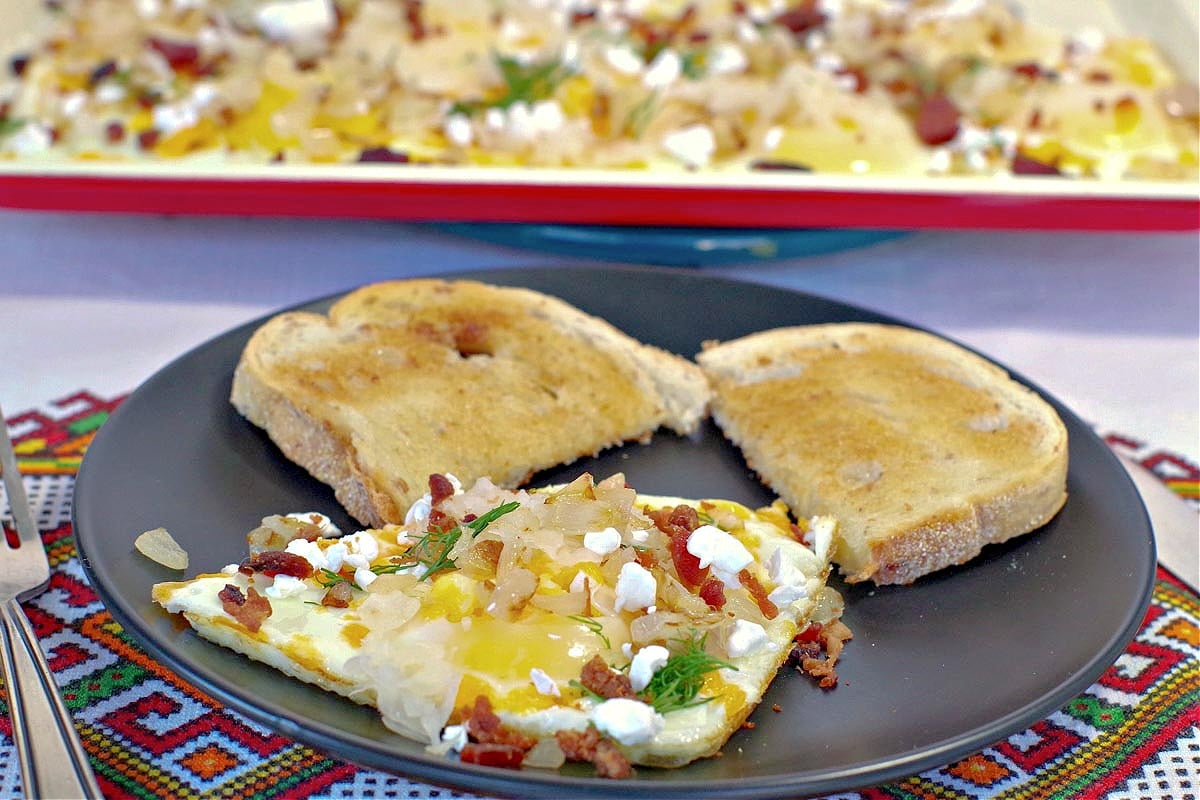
483	726
817	649
489	754
756	590
678	523
1024	165
181	55
277	562
713	593
937	120
646	558
801	19
598	677
589	745
440	488
250	609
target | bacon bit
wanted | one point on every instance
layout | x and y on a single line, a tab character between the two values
749	726
1024	165
101	72
440	521
861	82
810	634
678	523
440	488
646	558
277	562
250	609
802	18
114	132
580	17
756	590
416	21
713	593
485	727
147	139
831	639
382	155
776	707
588	745
937	120
1029	69
598	677
338	595
17	65
691	574
182	56
489	754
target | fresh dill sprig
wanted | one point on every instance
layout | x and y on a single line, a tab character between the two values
585	691
432	550
677	683
327	578
592	625
523	83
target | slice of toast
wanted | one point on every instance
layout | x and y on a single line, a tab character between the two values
406	378
924	451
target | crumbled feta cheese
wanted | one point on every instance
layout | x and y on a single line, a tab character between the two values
335	555
110	92
636	587
296	20
455	737
640	537
362	543
309	551
286	586
727	58
364	577
745	638
458	129
791	582
73	103
663	71
940	160
648	661
693	145
623	59
418	512
544	683
628	721
230	569
772	137
719	549
148	9
602	542
172	117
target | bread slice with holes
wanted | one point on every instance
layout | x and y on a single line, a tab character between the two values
924	451
403	379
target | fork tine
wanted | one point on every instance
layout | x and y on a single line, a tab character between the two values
27	530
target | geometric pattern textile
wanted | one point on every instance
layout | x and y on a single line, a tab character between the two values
1133	735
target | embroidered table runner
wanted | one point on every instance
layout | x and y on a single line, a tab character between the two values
1133	734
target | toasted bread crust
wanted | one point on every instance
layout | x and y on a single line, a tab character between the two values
924	451
406	378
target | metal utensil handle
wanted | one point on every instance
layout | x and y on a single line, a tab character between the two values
53	761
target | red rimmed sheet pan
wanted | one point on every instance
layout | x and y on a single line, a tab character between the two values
764	200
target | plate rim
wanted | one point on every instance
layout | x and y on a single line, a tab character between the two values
358	749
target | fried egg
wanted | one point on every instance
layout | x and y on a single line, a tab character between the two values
508	595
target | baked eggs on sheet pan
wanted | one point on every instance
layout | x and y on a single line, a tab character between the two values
581	622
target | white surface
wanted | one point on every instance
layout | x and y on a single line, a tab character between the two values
1108	323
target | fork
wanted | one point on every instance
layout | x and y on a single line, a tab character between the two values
52	759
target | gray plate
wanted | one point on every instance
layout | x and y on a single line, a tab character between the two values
935	671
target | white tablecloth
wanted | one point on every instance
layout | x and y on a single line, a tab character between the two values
1108	323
